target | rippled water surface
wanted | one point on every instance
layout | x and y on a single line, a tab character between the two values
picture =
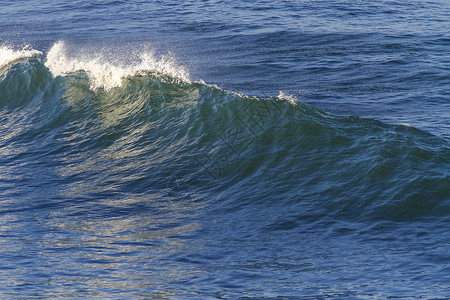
225	149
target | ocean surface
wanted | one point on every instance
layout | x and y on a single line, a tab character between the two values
225	149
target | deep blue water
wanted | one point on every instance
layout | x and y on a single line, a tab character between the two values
225	149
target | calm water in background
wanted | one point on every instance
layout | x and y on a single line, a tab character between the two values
225	149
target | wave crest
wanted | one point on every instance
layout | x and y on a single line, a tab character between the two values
9	55
105	73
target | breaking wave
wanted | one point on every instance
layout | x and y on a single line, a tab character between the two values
137	127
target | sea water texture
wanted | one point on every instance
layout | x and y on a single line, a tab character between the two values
225	149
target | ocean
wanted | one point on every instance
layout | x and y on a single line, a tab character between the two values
284	149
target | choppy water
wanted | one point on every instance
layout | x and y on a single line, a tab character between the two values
225	149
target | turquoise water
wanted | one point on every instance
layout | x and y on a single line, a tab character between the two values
212	150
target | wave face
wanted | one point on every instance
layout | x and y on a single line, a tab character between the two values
183	177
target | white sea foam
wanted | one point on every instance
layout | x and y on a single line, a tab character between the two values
108	73
291	99
9	54
407	125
